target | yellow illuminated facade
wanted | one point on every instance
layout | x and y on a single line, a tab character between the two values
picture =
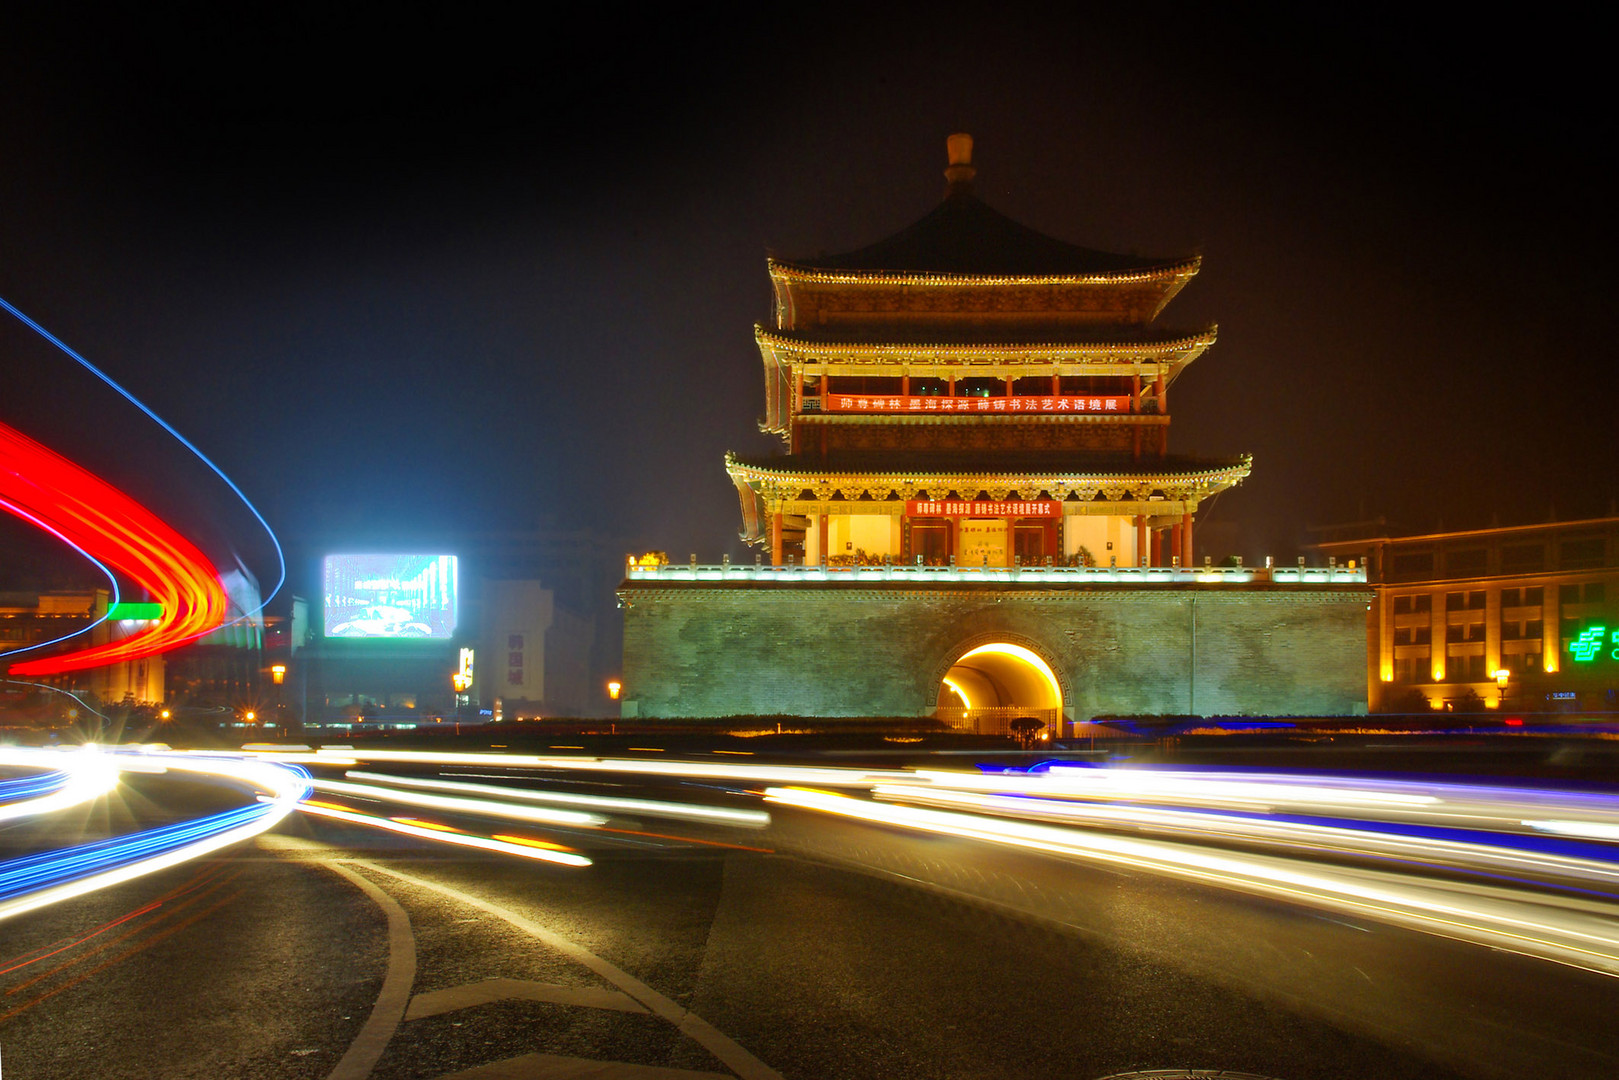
1495	612
968	392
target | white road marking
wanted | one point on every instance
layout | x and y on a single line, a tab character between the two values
552	1067
394	996
434	1002
727	1050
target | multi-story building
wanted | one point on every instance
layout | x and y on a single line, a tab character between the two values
1524	615
29	620
977	515
970	392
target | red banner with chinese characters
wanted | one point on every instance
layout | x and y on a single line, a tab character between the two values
982	508
874	403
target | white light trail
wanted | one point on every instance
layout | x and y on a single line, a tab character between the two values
1577	933
90	775
488	807
721	815
282	786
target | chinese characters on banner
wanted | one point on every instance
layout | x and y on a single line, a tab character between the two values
879	404
982	508
514	659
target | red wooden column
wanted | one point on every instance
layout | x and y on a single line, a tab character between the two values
775	538
1056	386
950	389
1186	540
1141	538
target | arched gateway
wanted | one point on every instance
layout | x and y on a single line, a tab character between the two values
990	684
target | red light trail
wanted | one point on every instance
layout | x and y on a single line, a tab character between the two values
46	489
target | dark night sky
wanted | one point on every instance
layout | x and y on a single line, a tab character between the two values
476	272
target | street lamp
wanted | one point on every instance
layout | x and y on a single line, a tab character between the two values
613	688
1501	676
278	673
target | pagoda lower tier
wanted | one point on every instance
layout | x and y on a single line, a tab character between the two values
1004	509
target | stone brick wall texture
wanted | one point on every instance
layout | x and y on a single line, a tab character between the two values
711	649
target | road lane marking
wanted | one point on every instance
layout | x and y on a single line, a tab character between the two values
724	1048
435	1002
553	1067
367	1047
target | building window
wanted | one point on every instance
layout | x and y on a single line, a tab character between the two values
1424	635
1523	558
1475	631
1568	594
1412	669
1534	597
1534	629
1453	633
980	387
1595	592
1475	600
1414	565
1402	636
1455	601
1470	563
1511	631
1511	598
1580	554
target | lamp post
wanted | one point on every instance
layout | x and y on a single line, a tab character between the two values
1501	677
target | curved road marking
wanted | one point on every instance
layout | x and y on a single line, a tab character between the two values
489	990
552	1067
394	996
727	1050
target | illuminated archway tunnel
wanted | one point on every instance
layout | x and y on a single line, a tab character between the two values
1000	675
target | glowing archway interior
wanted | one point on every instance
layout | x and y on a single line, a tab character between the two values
999	675
43	488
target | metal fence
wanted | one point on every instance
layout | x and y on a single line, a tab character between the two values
996	720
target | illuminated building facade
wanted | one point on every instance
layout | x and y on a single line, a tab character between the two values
31	618
976	514
1525	615
969	392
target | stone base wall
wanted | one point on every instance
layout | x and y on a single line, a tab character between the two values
714	649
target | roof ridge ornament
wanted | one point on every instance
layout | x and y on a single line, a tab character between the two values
960	173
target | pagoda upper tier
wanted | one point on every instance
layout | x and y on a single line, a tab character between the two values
921	381
965	267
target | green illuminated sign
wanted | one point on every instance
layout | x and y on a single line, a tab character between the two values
1591	642
128	610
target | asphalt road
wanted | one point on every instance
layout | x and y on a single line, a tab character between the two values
815	949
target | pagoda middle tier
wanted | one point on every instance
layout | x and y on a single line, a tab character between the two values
971	391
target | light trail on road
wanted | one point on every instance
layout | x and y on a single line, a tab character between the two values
718	815
1572	931
35	881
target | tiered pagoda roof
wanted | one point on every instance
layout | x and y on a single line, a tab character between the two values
908	331
964	237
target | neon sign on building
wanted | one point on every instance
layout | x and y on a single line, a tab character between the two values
1595	642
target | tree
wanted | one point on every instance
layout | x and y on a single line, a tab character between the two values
1024	729
1410	700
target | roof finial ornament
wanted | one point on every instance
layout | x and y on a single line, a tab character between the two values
960	172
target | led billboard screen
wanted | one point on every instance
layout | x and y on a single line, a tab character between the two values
390	596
